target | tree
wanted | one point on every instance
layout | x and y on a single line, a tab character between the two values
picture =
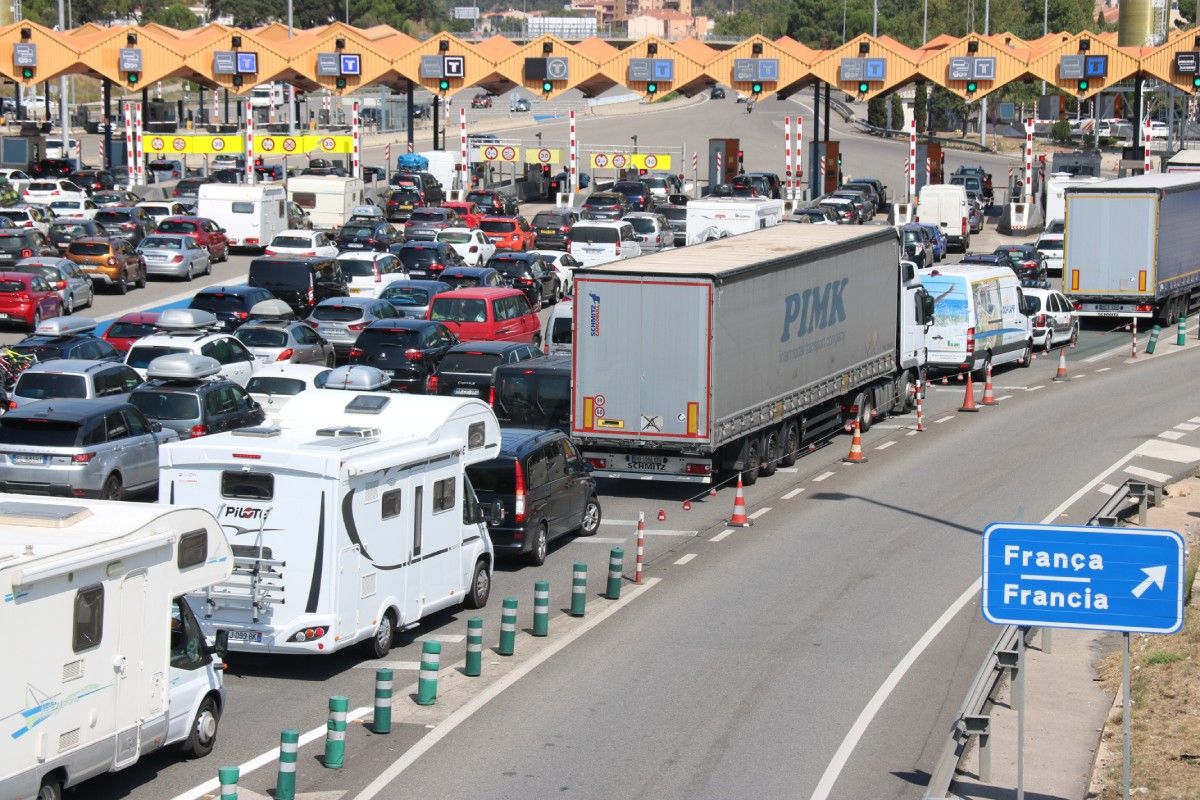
920	102
877	112
897	112
1060	131
176	15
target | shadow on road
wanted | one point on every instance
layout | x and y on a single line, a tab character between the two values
840	496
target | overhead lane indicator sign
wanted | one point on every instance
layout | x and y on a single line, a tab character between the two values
1062	576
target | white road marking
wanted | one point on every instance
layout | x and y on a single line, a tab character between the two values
669	532
946	418
1179	453
823	476
376	664
946	389
1112	351
788	470
1011	388
721	535
879	426
1194	419
1171	435
1003	397
1187	427
624	523
760	512
1103	369
685	559
792	493
1035	388
600	540
885	446
464	712
1079	376
1148	474
912	433
1106	488
444	638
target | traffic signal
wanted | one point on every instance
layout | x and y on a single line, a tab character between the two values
132	78
1083	85
651	87
756	88
545	169
547	87
642	172
741	161
340	82
863	88
971	87
237	80
443	85
27	73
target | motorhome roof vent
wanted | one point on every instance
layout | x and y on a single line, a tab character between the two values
40	515
350	431
368	404
260	432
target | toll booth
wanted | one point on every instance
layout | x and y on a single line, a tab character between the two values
1133	161
832	173
931	164
722	160
1079	162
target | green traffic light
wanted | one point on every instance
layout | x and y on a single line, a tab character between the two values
132	77
1196	82
1083	85
756	88
340	82
27	73
863	88
651	88
444	85
547	87
971	87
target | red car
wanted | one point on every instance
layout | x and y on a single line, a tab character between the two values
129	328
468	212
487	314
27	298
509	233
206	233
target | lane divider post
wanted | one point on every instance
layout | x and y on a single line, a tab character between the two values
578	589
1133	327
427	680
382	721
335	732
641	548
508	627
1181	331
228	776
1153	343
285	780
616	567
920	406
474	667
541	608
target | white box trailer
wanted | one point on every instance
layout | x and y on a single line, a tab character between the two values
107	663
1056	193
250	215
352	519
715	217
328	199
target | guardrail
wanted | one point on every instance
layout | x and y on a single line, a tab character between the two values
887	133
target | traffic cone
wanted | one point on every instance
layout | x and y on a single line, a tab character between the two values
662	515
945	380
1061	374
969	396
687	505
739	518
712	492
855	456
989	396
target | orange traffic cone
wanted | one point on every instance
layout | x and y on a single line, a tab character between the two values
662	515
989	396
855	456
687	505
969	396
712	492
1061	375
739	518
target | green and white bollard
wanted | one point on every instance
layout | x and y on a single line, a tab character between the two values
508	627
616	569
335	732
1153	343
474	647
578	589
228	776
1181	331
541	608
382	721
285	781
431	658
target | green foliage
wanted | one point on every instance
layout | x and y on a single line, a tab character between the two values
877	111
176	15
1164	657
8	195
947	110
897	112
1060	131
920	101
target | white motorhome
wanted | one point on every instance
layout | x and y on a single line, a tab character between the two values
250	215
716	217
107	662
350	520
946	205
1056	188
328	199
979	318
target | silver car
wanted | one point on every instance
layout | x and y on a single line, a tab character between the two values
339	320
653	230
412	298
175	256
102	448
73	285
78	378
283	340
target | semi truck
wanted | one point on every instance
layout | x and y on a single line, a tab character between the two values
734	354
1132	246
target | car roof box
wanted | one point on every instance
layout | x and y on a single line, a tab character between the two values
272	309
65	326
182	367
357	378
185	319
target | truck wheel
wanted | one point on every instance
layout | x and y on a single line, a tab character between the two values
905	391
866	412
770	453
481	586
751	461
204	729
791	445
51	788
381	643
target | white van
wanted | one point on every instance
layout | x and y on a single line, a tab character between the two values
945	205
251	215
716	217
979	317
352	519
559	334
107	661
594	242
443	165
329	199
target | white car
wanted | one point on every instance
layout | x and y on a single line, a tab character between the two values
1050	247
54	148
1054	319
564	264
273	385
1158	130
471	243
302	243
74	208
370	272
16	178
189	330
47	191
35	217
158	210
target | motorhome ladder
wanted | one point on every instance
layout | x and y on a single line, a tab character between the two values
255	583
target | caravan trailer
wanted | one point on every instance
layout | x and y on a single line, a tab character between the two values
351	519
329	199
250	215
107	660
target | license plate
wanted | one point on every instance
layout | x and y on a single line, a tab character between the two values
547	231
265	359
25	458
356	291
356	245
417	273
331	332
406	208
3	316
466	391
245	636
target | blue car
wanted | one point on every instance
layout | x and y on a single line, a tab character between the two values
941	245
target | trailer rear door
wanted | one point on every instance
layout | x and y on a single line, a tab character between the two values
1110	243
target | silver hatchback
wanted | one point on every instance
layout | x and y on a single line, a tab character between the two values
284	340
175	256
340	320
653	230
62	378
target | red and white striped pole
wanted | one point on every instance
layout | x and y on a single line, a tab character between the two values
129	157
250	175
355	163
920	406
1133	327
1147	166
720	172
787	156
912	160
797	161
138	151
387	157
821	177
641	547
464	165
1028	196
326	105
928	170
573	175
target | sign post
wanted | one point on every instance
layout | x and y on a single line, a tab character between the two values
1063	576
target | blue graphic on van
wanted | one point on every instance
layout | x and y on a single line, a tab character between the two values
43	706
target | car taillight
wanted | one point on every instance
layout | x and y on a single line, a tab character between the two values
413	355
12	404
81	458
970	341
286	355
243	315
563	229
372	240
436	267
358	326
26	253
269	251
598	463
199	430
618	247
127	226
519	503
176	259
491	395
964	226
431	384
355	352
378	274
524	280
1077	306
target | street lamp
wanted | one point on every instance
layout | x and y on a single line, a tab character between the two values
635	140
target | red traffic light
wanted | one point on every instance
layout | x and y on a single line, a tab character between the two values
545	169
741	155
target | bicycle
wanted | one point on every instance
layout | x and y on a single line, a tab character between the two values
13	363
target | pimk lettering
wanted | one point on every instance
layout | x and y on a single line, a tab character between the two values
813	309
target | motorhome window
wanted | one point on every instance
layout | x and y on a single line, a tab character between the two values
390	507
240	485
88	625
305	199
443	495
193	549
418	513
471	512
242	208
476	435
186	650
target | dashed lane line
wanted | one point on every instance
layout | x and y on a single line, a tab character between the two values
1187	427
1003	397
600	540
444	638
1103	369
946	418
1171	435
1035	388
823	476
885	446
793	493
722	535
760	512
684	559
1148	474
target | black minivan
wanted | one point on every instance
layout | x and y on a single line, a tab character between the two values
300	281
534	393
545	487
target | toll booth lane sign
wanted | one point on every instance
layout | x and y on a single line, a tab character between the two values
1061	576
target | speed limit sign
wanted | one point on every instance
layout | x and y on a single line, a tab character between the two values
619	161
601	160
651	161
543	156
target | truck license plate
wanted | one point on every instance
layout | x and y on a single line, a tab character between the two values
245	636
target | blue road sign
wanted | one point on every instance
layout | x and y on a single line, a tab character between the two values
1095	66
1064	576
876	69
350	64
768	69
664	69
247	63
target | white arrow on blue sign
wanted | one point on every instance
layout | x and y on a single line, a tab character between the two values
1063	576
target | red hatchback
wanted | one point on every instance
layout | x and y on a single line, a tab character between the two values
129	328
27	299
206	233
489	314
508	233
468	212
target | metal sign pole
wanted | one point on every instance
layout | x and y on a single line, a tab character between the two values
1021	714
1125	715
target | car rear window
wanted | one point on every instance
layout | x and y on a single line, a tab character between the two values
215	302
166	405
69	229
481	198
43	385
498	476
261	337
280	275
140	357
390	337
292	241
458	309
460	281
38	432
1050	244
42	351
85	248
454	237
560	331
674	213
533	400
113	216
12	244
42	186
404	296
405	197
508	266
357	268
130	330
470	362
419	256
161	243
592	235
16	215
642	224
12	285
176	226
546	219
428	216
497	225
337	313
356	231
603	200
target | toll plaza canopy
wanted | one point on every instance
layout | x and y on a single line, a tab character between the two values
342	59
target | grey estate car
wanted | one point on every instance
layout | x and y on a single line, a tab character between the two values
72	378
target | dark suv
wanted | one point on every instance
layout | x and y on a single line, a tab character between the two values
130	223
427	260
551	227
466	369
636	193
300	281
183	395
409	350
545	487
534	394
365	235
402	201
230	304
529	273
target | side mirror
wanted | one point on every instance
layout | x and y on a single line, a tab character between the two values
156	426
222	646
927	306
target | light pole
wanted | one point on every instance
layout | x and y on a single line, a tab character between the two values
983	105
635	140
290	93
925	24
62	94
875	17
